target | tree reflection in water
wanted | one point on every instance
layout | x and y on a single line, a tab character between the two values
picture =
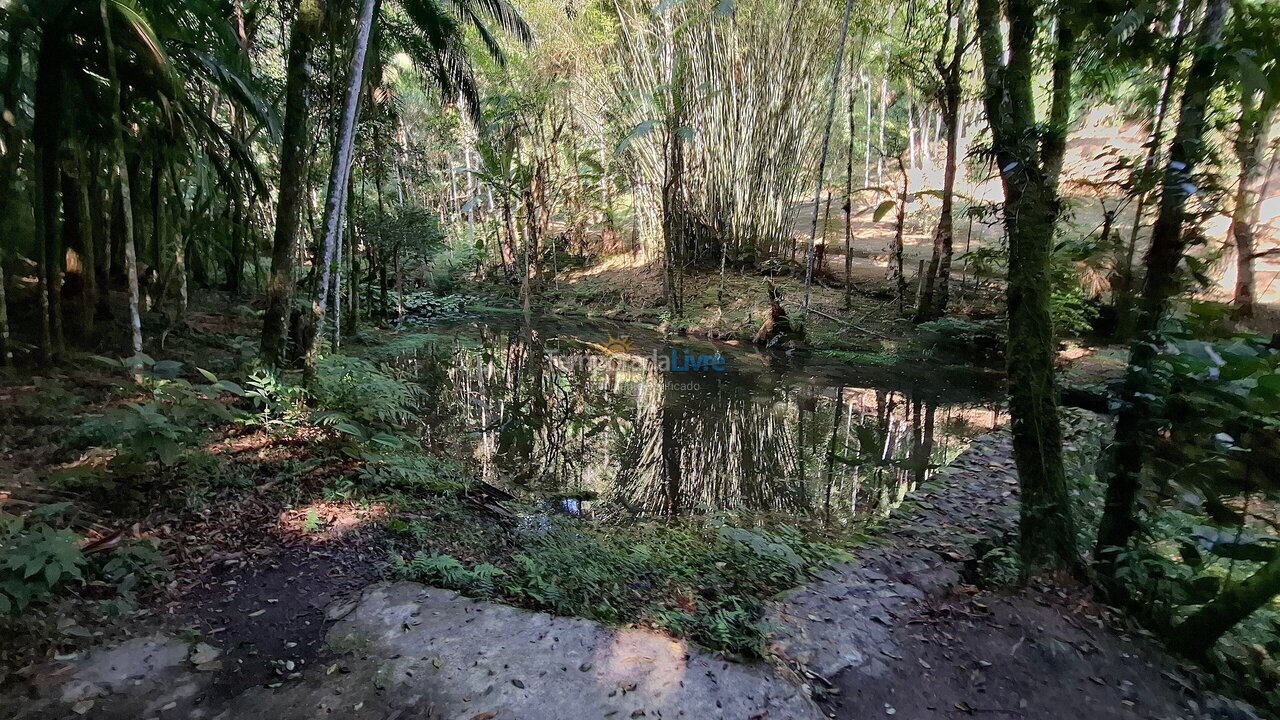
637	441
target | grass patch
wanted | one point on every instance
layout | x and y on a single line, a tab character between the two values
705	581
854	357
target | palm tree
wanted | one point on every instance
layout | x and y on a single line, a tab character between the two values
433	32
156	55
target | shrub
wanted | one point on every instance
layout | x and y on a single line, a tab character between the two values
976	339
358	399
36	558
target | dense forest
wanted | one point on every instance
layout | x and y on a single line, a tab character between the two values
640	312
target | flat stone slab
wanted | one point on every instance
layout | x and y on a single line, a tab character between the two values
469	658
412	651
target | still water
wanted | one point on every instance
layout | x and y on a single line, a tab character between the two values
618	423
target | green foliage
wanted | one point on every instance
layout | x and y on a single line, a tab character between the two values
854	357
278	403
52	401
1213	446
358	399
413	472
163	427
36	558
1070	306
978	339
708	583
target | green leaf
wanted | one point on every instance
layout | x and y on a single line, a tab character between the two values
229	387
166	369
640	131
207	375
883	209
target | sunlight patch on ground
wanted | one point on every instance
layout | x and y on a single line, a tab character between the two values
324	521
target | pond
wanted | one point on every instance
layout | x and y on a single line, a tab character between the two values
616	423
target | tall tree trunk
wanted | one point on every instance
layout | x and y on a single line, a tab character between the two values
1252	143
934	296
126	192
6	348
1047	525
1119	519
47	131
848	208
10	162
899	232
340	174
1122	290
826	142
101	210
293	171
77	234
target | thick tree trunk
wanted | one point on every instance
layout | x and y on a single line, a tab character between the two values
1047	524
340	174
293	171
126	192
1119	519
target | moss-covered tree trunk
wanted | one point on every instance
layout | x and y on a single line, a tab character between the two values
293	181
1030	212
1119	519
1195	635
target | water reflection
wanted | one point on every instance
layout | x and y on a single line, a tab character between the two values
616	436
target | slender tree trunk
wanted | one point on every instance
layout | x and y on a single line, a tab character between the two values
126	193
293	172
866	158
899	232
826	142
1119	519
884	102
1047	525
101	210
47	122
10	162
848	209
341	171
933	300
1252	143
77	223
1123	288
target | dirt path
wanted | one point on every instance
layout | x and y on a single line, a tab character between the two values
897	632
